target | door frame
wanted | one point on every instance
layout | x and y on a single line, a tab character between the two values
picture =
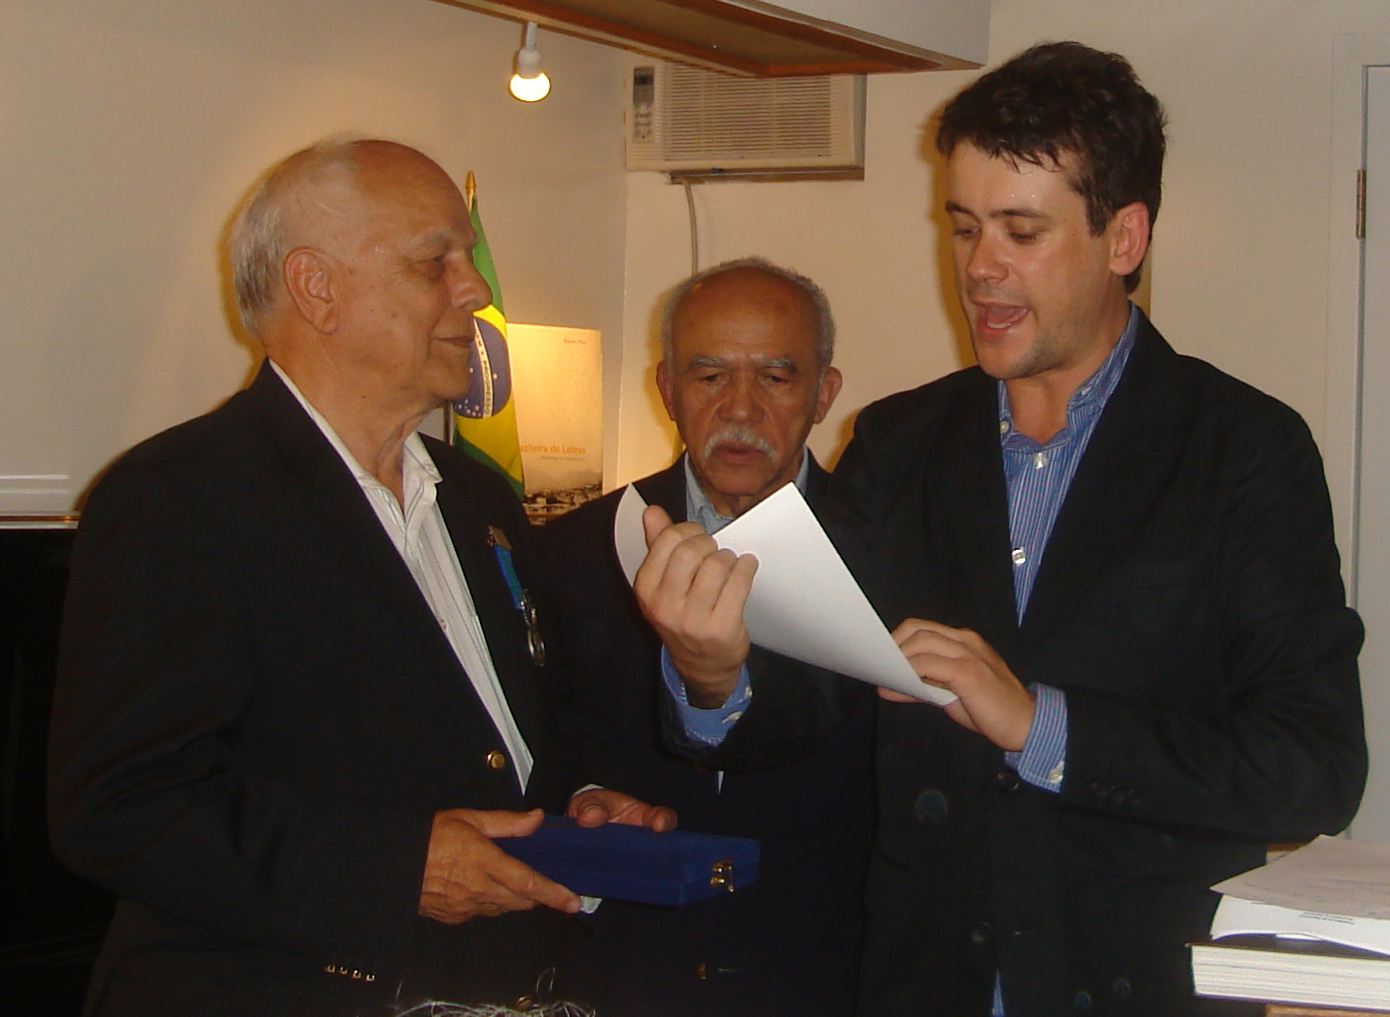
1351	55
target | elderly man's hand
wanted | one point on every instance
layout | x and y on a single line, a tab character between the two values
693	594
600	805
992	701
467	875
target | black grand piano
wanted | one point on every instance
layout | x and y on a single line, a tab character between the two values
51	922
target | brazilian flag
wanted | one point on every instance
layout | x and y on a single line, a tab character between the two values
484	420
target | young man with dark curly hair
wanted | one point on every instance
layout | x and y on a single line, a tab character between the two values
1118	558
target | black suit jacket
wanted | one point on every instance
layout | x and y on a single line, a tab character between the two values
258	716
790	942
1190	606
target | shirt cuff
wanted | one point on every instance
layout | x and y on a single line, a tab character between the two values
1043	760
708	727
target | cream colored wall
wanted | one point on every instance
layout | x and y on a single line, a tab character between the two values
1242	243
131	127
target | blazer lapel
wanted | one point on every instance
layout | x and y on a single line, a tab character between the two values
335	509
666	489
1117	477
503	626
968	517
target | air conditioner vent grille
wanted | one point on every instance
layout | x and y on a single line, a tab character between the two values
718	116
692	121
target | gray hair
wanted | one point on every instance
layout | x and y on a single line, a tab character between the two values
259	238
815	296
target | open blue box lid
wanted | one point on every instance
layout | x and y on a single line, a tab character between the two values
632	863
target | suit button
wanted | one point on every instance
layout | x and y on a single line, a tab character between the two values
496	760
931	807
1007	779
1083	1000
1122	988
980	933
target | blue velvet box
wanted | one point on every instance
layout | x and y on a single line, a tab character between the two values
632	863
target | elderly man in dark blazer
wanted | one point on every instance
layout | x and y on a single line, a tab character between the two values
745	374
296	702
1118	558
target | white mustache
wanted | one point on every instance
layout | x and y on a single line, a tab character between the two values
737	434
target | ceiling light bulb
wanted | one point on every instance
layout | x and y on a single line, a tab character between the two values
529	83
530	89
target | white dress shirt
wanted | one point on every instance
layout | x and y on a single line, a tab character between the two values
417	530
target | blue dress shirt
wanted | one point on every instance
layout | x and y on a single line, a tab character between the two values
1038	478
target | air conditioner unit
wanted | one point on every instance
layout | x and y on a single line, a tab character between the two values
703	125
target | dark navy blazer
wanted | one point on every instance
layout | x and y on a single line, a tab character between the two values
258	715
788	944
1191	608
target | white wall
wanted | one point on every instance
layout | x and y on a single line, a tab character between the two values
1240	270
131	127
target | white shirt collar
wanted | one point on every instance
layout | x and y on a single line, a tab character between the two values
417	466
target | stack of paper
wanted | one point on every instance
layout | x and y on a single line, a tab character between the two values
1312	927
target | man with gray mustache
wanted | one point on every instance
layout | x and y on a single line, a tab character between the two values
745	374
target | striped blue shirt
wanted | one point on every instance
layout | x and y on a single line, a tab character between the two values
1039	475
1038	478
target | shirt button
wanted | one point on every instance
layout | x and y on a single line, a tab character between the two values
1003	427
1019	556
1039	460
496	760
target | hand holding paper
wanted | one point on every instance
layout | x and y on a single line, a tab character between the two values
991	702
693	594
803	603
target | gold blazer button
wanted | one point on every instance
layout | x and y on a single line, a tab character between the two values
496	760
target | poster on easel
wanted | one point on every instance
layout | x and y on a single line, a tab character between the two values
557	382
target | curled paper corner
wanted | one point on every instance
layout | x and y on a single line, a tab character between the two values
804	604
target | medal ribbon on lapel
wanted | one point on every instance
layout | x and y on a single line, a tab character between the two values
502	548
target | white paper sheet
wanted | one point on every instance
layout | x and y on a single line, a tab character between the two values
1237	917
1332	875
804	603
